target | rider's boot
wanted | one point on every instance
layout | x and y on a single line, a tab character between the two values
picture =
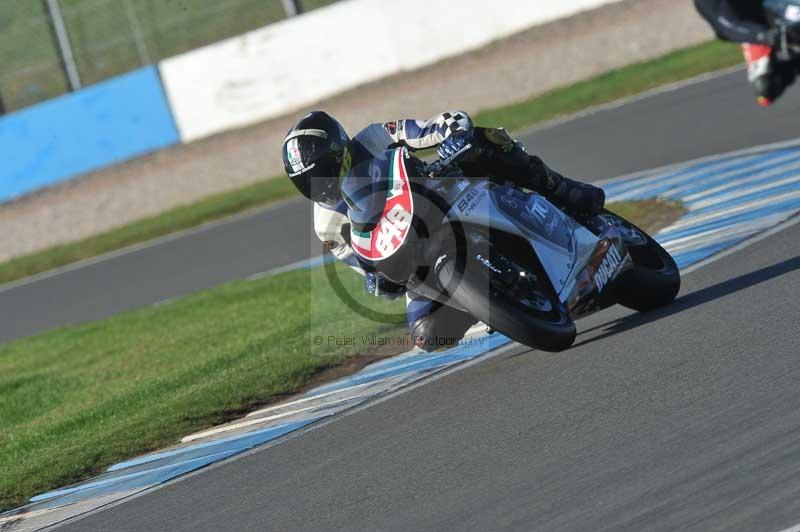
532	173
573	196
769	77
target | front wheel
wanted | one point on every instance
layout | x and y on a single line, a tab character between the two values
655	280
516	301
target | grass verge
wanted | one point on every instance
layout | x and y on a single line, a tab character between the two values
651	214
614	85
77	399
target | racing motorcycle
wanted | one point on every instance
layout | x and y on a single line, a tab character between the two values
507	256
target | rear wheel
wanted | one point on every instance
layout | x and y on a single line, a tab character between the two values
509	293
654	280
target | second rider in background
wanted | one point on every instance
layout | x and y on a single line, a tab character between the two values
745	21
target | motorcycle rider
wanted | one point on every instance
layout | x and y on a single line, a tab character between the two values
745	22
318	155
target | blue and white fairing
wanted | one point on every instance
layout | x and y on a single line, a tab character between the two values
563	246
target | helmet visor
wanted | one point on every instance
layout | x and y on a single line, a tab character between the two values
320	181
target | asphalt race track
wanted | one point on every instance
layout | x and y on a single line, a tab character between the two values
686	418
158	271
700	119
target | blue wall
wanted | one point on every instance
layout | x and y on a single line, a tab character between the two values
103	124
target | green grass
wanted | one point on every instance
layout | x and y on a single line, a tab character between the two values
614	85
185	217
77	399
651	214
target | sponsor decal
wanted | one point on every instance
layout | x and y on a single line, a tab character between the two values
390	127
468	203
486	262
607	268
294	155
538	209
391	231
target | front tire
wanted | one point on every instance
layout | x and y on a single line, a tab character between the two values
535	318
655	280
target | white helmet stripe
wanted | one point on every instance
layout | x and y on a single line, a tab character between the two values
310	132
293	174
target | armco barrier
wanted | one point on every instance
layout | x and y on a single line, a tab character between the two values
83	131
284	66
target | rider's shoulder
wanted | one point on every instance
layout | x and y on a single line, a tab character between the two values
376	166
371	130
374	138
385	164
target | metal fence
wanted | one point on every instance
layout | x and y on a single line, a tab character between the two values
106	38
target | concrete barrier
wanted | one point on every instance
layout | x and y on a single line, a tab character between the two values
277	69
83	131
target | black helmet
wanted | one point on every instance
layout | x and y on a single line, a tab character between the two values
313	153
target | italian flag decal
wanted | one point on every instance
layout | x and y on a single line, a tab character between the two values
395	223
